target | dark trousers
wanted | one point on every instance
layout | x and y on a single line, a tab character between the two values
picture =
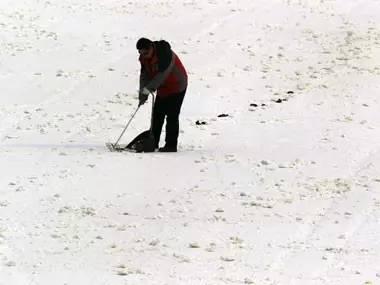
168	107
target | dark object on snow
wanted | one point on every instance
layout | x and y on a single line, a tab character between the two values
280	100
290	92
256	105
144	142
223	115
198	123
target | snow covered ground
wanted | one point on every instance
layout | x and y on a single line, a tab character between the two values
283	189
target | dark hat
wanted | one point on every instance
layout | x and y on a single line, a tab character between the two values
144	43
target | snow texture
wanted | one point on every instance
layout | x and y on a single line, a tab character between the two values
277	178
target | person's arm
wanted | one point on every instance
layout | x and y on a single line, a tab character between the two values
144	79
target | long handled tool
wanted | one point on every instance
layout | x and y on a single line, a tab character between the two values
144	142
115	146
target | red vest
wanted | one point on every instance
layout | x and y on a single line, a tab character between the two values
175	82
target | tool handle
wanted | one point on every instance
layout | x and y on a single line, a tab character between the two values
129	122
151	114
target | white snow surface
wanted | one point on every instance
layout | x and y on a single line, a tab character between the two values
283	190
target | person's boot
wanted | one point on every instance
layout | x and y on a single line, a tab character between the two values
167	148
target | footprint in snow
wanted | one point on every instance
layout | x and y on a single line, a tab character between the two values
10	264
123	270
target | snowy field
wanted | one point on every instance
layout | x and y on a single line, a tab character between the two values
278	183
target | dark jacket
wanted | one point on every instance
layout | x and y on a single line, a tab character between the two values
163	72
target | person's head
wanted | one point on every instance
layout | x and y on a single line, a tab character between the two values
145	47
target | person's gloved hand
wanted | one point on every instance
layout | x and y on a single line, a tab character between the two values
143	95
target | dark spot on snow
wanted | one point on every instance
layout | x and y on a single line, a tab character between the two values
198	123
280	100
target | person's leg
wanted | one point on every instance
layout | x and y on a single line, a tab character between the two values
158	119
172	119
